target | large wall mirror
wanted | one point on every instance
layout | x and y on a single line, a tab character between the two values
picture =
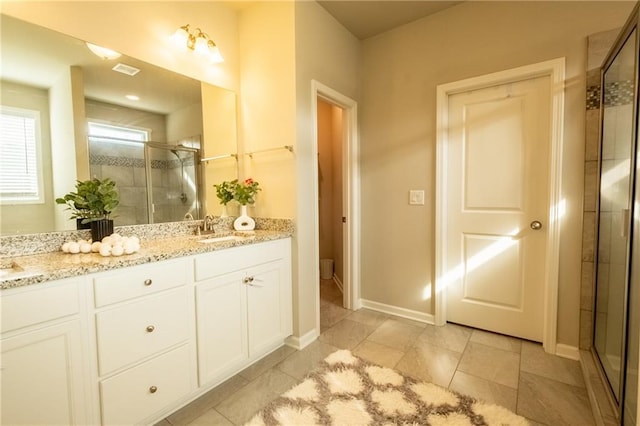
143	126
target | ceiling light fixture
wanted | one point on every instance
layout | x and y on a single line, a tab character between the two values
103	52
199	42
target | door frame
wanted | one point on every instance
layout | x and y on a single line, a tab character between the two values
351	194
555	69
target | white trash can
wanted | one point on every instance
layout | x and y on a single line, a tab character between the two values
326	269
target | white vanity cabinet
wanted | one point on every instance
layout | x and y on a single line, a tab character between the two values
243	306
145	344
43	376
132	344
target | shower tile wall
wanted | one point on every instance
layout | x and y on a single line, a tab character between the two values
126	166
598	47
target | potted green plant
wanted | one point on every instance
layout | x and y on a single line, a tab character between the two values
93	202
224	192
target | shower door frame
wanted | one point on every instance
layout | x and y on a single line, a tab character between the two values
149	180
633	23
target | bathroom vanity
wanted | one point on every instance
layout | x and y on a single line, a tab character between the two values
128	341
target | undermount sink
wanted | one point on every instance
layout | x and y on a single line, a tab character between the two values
11	270
210	240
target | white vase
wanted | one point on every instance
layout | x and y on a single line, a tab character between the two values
224	211
244	222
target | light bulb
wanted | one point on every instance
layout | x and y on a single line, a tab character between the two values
214	53
181	36
201	47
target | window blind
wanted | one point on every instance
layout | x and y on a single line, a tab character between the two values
20	177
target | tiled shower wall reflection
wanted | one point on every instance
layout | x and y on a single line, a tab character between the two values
598	47
126	166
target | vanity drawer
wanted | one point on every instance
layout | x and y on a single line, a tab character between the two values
139	281
222	262
139	392
136	330
38	304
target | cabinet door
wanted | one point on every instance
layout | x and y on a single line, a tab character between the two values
221	326
269	306
42	378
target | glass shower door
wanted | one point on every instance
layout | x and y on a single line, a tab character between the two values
172	177
615	209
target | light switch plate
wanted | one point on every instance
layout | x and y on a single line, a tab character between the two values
416	197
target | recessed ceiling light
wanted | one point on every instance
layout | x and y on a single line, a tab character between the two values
132	97
103	52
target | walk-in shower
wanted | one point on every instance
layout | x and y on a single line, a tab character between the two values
157	182
617	301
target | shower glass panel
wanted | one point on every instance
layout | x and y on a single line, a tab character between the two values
173	183
616	178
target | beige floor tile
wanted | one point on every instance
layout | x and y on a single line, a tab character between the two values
378	354
490	363
266	363
331	314
241	405
207	401
497	341
485	390
346	334
551	402
300	363
429	363
409	321
536	361
368	317
211	418
450	336
396	334
329	291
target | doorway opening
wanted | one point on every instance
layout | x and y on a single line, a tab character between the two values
337	212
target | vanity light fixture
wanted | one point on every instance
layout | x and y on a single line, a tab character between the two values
198	42
103	52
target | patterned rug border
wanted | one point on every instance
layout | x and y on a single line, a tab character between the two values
345	389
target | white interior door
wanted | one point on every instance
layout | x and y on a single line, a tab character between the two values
497	204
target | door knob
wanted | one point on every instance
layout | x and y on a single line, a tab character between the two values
536	225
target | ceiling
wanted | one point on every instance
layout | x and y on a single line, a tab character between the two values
365	18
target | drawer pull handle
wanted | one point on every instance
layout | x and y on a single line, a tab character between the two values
153	389
150	328
148	282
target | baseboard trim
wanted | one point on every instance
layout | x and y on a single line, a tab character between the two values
567	351
338	283
398	311
303	341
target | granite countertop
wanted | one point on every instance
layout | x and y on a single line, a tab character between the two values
38	268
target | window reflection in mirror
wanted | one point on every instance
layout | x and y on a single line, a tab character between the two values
58	77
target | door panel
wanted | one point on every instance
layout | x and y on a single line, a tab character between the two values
497	176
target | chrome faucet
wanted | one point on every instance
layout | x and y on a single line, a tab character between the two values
208	223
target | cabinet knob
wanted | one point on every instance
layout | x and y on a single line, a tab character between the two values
153	389
150	328
148	282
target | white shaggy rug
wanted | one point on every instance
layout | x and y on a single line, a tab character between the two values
346	390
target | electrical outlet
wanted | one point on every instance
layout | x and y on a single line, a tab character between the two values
416	197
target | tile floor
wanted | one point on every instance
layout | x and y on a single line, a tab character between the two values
516	374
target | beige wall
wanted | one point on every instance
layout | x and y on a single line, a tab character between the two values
328	53
267	104
403	68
